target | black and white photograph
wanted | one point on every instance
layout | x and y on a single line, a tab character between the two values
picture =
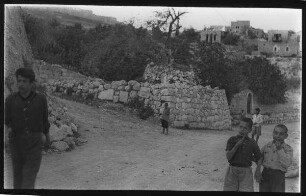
152	98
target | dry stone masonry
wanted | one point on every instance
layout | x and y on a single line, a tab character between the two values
161	74
192	106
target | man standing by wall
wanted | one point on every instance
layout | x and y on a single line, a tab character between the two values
26	115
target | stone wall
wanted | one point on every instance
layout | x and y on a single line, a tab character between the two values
273	113
51	72
192	106
17	50
161	74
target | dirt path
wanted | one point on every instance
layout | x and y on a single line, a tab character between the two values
124	152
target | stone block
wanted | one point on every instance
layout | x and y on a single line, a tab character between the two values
144	92
60	145
194	125
115	84
55	133
106	95
184	117
116	99
132	82
191	118
74	128
66	130
127	88
136	86
107	86
168	98
167	92
133	94
123	96
178	123
120	88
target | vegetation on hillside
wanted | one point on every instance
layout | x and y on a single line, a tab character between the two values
121	52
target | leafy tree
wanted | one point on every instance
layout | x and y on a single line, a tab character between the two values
265	80
72	41
251	34
231	39
215	70
123	54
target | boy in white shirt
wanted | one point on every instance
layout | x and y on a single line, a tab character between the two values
277	157
257	122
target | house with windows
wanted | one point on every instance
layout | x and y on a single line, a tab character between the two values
213	34
280	43
240	26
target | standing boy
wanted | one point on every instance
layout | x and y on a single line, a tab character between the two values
242	115
257	122
165	118
240	150
277	157
26	114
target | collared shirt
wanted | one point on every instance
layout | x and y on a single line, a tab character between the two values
166	114
257	119
244	154
27	114
277	159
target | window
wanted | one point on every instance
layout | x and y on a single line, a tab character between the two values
215	36
277	38
206	37
287	49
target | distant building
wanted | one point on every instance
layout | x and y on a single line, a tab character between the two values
212	34
300	34
240	26
280	43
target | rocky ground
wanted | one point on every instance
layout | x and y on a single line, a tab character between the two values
127	153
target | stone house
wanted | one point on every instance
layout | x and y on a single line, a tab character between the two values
240	26
213	34
280	43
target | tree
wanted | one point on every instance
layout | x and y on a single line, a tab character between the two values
231	39
265	80
169	21
123	56
214	69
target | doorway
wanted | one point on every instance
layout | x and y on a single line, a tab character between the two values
249	103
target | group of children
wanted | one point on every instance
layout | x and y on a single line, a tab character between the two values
275	157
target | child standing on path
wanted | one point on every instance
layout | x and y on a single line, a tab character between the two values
239	153
257	122
277	157
165	118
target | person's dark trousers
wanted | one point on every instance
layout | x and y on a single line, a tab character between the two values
26	153
273	181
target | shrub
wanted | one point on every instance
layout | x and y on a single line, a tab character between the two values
231	39
69	91
293	83
40	88
143	111
90	96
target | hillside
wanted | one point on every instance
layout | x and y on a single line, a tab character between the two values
69	17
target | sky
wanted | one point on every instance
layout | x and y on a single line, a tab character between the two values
198	17
264	18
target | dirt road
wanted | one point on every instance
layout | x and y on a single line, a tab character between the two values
127	153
